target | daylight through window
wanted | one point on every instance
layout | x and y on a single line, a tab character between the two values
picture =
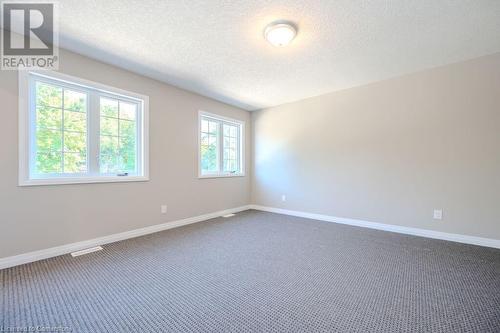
221	146
80	132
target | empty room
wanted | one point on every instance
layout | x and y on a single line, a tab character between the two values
250	166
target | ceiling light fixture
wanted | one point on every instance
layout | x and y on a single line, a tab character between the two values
280	33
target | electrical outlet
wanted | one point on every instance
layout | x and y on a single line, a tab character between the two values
283	197
163	209
438	214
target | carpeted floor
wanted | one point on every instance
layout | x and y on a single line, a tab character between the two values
260	272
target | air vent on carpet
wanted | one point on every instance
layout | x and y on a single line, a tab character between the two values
86	251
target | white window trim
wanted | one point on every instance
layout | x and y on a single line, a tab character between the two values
24	130
202	114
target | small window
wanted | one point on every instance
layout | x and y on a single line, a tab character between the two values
221	146
75	131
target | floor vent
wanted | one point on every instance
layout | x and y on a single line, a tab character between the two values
228	215
86	251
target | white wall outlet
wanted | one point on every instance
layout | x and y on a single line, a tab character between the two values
164	209
438	214
283	197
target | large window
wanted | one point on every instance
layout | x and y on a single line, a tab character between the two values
76	131
221	146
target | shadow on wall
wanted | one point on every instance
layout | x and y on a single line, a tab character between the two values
277	166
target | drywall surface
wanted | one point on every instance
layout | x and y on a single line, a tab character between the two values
34	218
390	152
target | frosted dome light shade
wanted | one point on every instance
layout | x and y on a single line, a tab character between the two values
280	34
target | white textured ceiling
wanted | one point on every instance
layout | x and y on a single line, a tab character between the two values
216	47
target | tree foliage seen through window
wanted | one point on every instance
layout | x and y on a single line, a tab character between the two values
61	130
208	147
118	136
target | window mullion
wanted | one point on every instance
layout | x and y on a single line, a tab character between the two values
235	145
93	135
65	165
62	131
139	141
239	151
32	148
221	147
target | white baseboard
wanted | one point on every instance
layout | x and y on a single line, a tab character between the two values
68	248
488	242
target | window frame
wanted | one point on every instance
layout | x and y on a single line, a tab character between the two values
27	105
220	153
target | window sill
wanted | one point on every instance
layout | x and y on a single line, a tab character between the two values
221	176
89	180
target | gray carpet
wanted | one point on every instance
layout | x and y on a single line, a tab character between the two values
260	272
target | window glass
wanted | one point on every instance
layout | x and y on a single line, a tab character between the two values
61	130
79	132
118	139
220	147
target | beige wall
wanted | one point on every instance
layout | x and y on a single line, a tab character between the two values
390	152
34	218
